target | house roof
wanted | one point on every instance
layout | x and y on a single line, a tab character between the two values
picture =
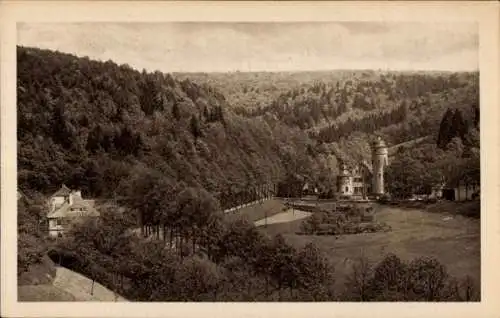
62	192
65	209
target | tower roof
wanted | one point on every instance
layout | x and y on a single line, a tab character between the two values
378	143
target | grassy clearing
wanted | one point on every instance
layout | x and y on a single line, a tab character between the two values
468	208
454	240
257	211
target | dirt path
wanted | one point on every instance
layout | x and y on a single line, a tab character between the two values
288	216
80	287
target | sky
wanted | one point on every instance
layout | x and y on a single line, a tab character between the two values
227	47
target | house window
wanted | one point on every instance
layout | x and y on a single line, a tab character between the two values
346	189
58	222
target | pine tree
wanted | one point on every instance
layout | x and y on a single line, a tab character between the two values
445	129
459	125
175	111
195	127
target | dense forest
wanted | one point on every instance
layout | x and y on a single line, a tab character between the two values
180	150
97	126
342	108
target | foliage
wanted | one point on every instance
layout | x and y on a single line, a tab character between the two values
392	279
350	220
91	125
31	246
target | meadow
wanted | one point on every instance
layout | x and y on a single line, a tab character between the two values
454	240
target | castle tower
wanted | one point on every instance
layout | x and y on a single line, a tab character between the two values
379	161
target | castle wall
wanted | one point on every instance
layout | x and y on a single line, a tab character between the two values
345	185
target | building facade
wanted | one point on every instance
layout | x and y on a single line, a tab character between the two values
361	180
67	207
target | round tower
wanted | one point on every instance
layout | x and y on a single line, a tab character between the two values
379	161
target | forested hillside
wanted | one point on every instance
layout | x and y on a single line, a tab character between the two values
97	126
346	107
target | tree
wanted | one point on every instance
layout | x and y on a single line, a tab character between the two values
446	129
195	127
314	273
426	280
358	281
284	271
197	280
175	111
389	281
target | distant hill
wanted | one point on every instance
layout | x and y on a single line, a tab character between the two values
331	105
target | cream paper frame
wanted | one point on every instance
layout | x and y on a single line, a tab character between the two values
486	14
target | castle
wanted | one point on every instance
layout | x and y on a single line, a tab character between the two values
364	179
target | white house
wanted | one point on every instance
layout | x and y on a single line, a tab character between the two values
67	206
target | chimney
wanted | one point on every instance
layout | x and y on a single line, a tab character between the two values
74	195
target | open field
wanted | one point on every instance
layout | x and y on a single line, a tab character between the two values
454	240
466	208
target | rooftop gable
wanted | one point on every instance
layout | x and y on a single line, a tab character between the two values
64	191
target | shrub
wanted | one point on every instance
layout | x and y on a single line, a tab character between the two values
431	200
426	279
31	251
389	281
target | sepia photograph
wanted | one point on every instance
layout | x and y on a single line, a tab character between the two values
249	161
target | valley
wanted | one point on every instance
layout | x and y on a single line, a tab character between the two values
183	187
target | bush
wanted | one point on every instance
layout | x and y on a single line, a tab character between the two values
392	279
431	200
39	273
31	251
426	279
384	199
389	279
